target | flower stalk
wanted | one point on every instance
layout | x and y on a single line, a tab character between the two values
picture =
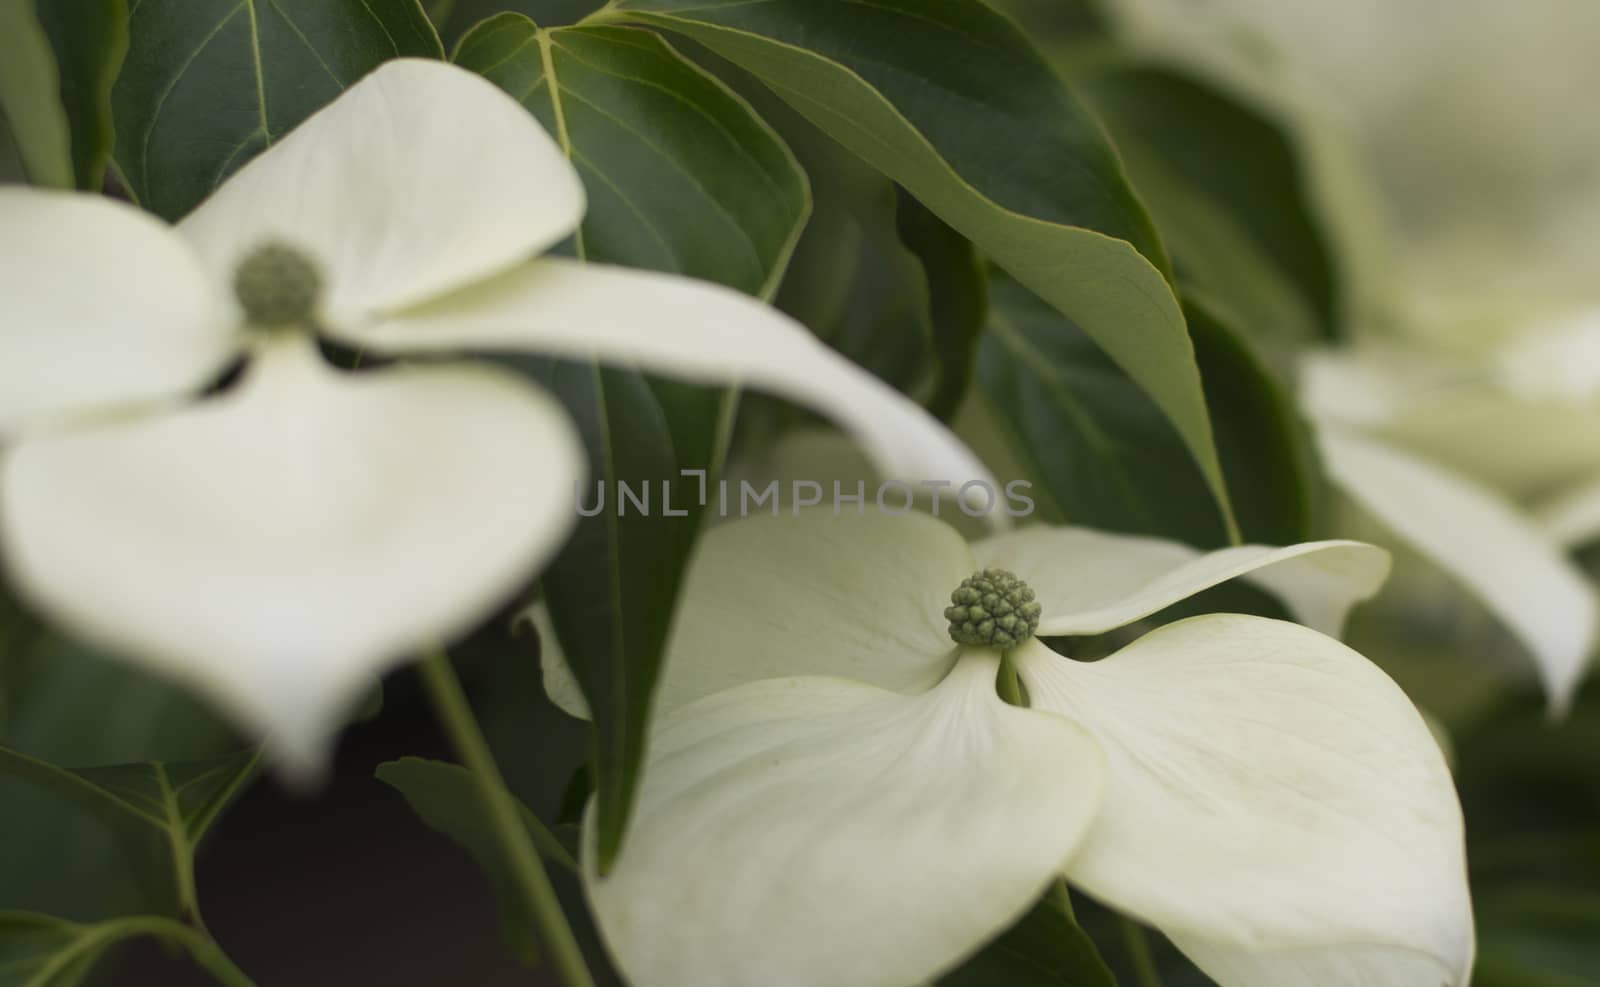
455	715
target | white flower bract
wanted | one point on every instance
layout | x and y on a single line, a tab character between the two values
836	794
280	542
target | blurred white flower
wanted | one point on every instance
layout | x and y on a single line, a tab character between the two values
280	542
1466	416
836	794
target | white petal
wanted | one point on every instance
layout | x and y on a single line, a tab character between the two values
689	329
860	598
800	832
281	544
1090	582
100	305
419	179
1267	789
1448	408
1572	517
1345	965
1519	573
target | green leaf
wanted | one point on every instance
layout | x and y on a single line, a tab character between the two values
54	858
43	951
1228	190
958	299
445	797
681	177
1540	933
163	811
457	17
1104	456
208	84
90	38
948	99
1046	948
878	276
30	96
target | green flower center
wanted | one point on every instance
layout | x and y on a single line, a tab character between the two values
994	608
278	286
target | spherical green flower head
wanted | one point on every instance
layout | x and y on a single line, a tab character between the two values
278	286
992	607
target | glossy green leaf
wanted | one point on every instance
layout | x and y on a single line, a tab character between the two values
163	811
1229	193
208	84
444	796
1046	948
681	177
1104	456
30	96
948	98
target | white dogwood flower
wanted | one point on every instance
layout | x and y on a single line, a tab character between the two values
835	794
278	543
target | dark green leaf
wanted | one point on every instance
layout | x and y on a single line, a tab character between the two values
90	38
457	17
11	169
958	299
681	177
208	84
53	857
43	951
1228	191
948	99
1544	935
1061	21
876	275
161	811
1046	948
444	797
1104	456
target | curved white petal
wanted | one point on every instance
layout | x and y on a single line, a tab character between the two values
1267	789
419	179
281	544
1090	582
1519	573
1572	517
100	305
1344	965
798	832
861	598
690	329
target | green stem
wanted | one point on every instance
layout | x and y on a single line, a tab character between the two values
505	814
1138	946
1008	685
